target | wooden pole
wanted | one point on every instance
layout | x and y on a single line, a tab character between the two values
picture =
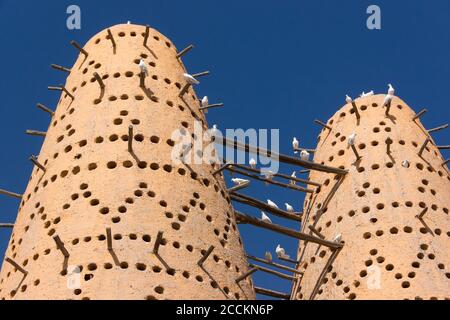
185	50
355	108
211	106
35	161
111	37
284	185
130	138
45	109
287	232
109	239
158	242
355	152
205	256
36	133
263	206
274	264
419	114
246	275
99	80
201	74
271	293
445	126
320	123
317	233
16	265
424	145
60	68
420	216
443	147
273	272
61	246
7	225
223	167
324	272
283	158
147	33
10	194
76	45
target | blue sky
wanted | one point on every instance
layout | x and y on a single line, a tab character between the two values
275	64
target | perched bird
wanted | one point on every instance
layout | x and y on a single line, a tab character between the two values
304	155
295	144
289	208
128	22
370	93
239	182
293	175
338	238
214	130
387	100
265	218
268	256
143	67
204	103
252	163
391	90
272	204
190	79
405	164
348	99
352	139
268	175
281	253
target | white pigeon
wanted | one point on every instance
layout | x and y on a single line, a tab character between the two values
128	22
281	253
348	99
204	103
252	163
190	79
293	175
405	164
239	182
304	155
391	90
272	204
370	93
265	218
143	67
387	100
268	175
289	208
338	238
268	256
214	130
352	139
295	144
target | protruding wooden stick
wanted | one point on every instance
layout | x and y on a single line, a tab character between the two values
61	246
16	265
324	272
36	163
36	133
211	106
239	187
419	114
223	167
443	147
45	109
284	185
355	152
306	149
284	176
158	242
320	123
389	142
146	35
444	126
424	145
420	216
270	271
274	264
111	37
246	275
76	45
130	138
271	293
288	232
184	90
185	50
61	88
99	80
109	239
205	256
7	225
281	157
10	194
355	108
445	162
265	207
288	260
60	68
316	232
201	74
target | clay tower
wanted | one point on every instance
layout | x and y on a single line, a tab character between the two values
391	209
97	202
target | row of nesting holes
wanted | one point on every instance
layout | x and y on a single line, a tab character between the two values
132	34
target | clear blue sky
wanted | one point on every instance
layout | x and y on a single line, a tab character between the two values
276	64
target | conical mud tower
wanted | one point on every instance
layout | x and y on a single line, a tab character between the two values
105	197
391	209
